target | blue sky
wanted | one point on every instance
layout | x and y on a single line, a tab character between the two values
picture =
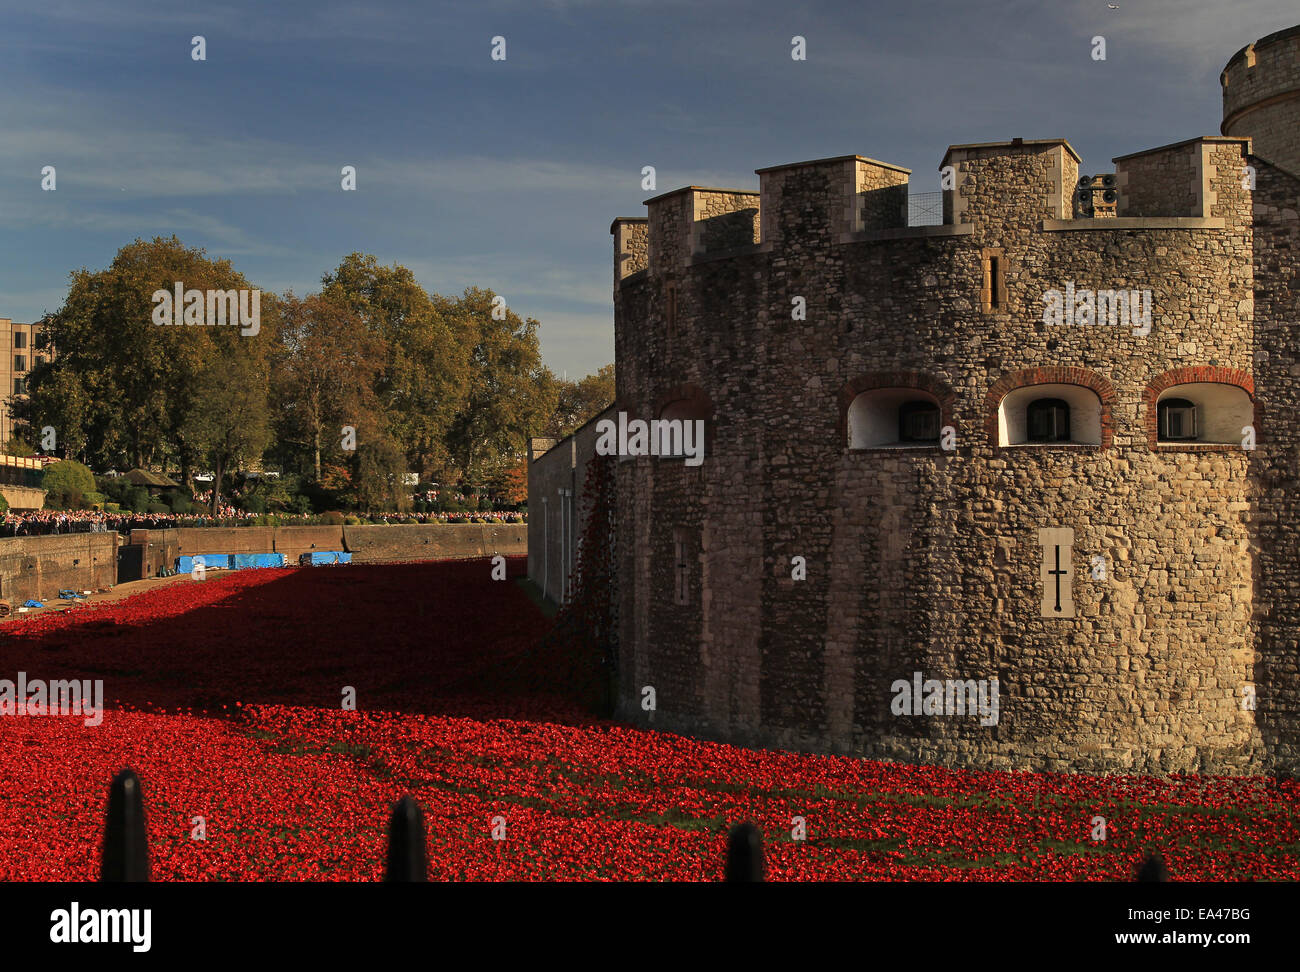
507	174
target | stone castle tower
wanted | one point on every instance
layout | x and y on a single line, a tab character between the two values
1053	441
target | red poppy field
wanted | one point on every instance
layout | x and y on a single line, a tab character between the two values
225	696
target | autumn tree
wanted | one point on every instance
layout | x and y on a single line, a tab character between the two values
508	394
325	374
121	389
424	379
228	425
578	402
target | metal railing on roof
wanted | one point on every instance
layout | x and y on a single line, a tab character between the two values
925	209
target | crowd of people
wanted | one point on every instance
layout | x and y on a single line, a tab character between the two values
40	522
482	516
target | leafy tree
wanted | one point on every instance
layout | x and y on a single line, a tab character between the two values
137	499
68	486
122	389
378	469
423	383
578	402
324	374
61	399
509	391
68	474
18	446
515	483
229	424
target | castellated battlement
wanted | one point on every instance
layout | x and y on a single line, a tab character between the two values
1191	185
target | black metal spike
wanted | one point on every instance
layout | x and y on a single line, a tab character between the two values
744	854
126	845
406	861
1153	868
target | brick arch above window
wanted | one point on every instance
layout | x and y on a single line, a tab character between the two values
1028	377
1195	374
873	380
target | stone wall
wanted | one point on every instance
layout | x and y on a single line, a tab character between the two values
928	559
458	541
159	550
294	541
556	521
39	567
447	541
726	220
23	497
631	246
1275	511
194	541
1161	182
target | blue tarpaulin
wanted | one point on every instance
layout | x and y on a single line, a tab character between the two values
185	565
68	595
30	602
317	557
242	561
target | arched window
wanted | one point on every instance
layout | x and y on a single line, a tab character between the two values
893	417
1177	417
1055	414
918	422
1202	412
1048	420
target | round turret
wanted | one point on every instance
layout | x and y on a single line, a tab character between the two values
1261	97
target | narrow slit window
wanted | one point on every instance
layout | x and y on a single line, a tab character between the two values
993	296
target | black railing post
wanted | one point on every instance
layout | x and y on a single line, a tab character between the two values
406	843
126	845
1153	869
744	854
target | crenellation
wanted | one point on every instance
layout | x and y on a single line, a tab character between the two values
631	246
998	182
724	220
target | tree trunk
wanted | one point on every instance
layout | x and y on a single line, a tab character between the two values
217	475
316	452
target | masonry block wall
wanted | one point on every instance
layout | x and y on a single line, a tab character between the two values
370	543
928	559
556	521
40	567
367	543
1275	509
